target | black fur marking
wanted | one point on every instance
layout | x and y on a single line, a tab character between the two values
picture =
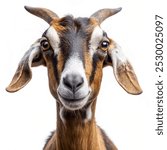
74	39
108	144
49	138
94	66
38	60
44	34
77	114
54	61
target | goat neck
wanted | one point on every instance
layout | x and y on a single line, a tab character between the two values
74	133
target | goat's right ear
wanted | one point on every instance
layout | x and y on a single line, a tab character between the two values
33	57
123	70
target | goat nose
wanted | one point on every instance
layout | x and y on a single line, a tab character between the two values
73	82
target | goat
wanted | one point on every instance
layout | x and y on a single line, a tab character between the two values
75	51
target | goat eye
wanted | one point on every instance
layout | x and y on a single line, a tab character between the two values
104	45
45	44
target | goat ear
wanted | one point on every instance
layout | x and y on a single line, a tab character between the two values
32	58
123	70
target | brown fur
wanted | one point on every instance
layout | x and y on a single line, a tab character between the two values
57	26
95	86
93	22
75	134
88	64
75	130
60	62
52	83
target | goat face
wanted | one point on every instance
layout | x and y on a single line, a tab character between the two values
70	61
75	52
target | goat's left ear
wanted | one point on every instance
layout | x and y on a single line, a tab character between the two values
123	70
33	57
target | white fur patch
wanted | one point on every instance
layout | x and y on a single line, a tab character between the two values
61	114
96	38
118	57
32	52
88	114
75	66
54	39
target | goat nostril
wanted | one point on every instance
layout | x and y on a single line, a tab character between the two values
67	83
80	83
73	82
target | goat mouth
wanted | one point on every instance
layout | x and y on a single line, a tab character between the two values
75	103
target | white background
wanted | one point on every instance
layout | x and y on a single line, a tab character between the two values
28	116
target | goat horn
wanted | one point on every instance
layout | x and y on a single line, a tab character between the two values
103	14
43	13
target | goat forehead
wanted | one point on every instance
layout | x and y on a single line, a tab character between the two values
69	22
72	43
76	30
74	36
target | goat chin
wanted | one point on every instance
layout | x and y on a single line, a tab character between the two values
87	110
73	105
